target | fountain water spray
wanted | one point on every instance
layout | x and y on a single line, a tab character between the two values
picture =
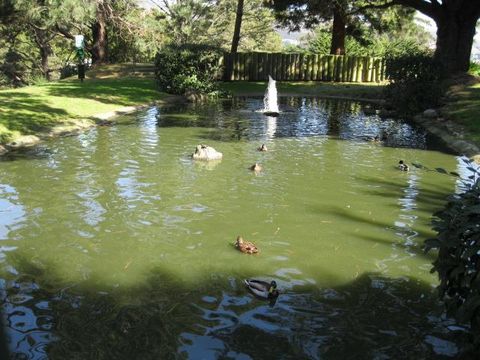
270	100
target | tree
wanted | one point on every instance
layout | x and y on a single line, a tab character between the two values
348	18
40	19
455	20
99	33
238	25
257	26
187	21
212	22
6	10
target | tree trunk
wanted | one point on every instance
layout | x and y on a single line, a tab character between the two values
456	22
100	39
43	43
338	32
455	32
238	26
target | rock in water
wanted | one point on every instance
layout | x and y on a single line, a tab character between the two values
205	152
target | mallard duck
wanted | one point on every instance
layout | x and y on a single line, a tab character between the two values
402	166
262	289
246	247
256	167
263	148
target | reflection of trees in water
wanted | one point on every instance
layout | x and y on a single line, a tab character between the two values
373	316
239	119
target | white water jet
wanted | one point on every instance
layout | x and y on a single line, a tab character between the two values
270	100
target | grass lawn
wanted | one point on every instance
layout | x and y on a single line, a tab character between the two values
38	108
464	108
351	90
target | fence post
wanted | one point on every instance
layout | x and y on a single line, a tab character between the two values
302	67
331	67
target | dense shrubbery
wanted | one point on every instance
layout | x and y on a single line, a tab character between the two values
458	262
187	68
415	82
474	68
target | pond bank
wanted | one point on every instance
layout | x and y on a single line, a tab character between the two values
449	132
31	114
456	123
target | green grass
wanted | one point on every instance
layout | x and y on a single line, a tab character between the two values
350	90
39	108
464	108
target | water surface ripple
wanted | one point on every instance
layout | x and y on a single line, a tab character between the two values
115	244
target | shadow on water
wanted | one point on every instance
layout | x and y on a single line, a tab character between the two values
33	153
373	316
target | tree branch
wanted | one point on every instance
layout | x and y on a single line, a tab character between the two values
431	9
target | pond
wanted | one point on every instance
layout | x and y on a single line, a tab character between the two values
114	244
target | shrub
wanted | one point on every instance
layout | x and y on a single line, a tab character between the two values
474	68
187	67
458	262
13	71
415	82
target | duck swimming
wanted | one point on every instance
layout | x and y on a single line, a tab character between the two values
246	247
402	166
256	167
263	148
262	289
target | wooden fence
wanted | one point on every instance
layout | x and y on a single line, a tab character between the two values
302	67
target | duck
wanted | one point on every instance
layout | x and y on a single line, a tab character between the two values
256	167
402	166
262	289
376	139
263	148
246	247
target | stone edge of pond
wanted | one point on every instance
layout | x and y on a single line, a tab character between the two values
450	134
78	126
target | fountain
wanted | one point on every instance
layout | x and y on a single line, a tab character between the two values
270	100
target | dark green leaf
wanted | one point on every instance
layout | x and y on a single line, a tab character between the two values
432	244
468	308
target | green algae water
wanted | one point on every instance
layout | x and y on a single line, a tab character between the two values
114	244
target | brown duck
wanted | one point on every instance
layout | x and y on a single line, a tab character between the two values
256	167
246	247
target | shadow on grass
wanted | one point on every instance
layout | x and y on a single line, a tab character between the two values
26	113
373	316
464	108
125	92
